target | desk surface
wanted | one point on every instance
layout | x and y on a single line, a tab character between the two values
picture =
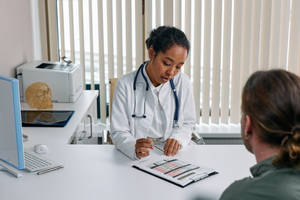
102	172
58	135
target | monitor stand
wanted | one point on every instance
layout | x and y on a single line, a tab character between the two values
10	169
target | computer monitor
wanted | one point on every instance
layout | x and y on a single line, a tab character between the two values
11	139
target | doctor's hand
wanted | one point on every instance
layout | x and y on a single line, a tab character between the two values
142	147
171	147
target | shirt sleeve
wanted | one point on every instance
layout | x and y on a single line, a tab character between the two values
121	134
183	133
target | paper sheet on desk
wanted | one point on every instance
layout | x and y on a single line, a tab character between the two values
173	170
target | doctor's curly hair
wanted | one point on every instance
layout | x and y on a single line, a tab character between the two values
164	37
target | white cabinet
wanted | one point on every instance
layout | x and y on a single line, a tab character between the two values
86	104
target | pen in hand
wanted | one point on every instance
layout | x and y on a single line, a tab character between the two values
142	147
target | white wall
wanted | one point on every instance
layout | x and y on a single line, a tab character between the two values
16	46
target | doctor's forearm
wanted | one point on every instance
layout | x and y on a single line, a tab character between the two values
125	143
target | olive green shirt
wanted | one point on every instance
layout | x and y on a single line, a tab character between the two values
268	182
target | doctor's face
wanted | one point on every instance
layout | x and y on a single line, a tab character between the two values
165	65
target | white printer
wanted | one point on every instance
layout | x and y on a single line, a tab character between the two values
64	80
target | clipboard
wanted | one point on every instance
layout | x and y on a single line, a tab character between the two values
175	171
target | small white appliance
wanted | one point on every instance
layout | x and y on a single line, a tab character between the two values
64	80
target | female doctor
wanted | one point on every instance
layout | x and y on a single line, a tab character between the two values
156	101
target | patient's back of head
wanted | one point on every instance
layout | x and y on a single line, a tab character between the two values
271	100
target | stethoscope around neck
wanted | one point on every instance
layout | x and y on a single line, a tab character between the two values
134	115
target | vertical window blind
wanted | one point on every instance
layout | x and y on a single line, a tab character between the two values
230	39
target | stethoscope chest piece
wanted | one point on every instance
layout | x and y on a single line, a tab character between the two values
175	124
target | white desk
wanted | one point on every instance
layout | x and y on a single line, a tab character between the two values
85	104
101	172
96	172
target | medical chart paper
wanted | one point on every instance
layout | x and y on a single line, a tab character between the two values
174	170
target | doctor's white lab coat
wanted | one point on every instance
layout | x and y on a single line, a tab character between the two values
125	129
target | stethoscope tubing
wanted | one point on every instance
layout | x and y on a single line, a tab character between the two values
134	115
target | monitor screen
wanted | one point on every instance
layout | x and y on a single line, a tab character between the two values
11	142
